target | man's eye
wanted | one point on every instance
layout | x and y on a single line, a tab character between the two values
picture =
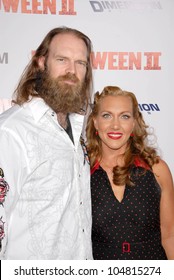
61	59
82	63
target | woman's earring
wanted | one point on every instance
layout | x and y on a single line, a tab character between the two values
96	133
132	134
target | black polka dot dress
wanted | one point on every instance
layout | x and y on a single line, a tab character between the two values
130	229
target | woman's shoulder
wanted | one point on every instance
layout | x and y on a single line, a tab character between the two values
162	173
160	167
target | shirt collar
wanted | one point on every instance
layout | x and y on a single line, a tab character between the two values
95	167
38	107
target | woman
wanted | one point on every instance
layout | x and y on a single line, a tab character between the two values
132	187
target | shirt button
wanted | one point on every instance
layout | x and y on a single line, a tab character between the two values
81	202
83	230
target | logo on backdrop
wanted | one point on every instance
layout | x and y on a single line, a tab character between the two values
102	6
116	60
62	7
4	58
126	60
149	108
66	7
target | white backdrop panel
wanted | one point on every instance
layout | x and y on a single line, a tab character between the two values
119	30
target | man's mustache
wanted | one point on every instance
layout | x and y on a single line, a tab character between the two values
69	77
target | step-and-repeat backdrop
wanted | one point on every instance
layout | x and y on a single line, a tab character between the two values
133	48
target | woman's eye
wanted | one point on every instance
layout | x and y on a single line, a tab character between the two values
125	116
106	116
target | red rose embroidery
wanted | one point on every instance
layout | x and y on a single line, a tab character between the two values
2	234
4	187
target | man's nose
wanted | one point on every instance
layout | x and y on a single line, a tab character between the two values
71	68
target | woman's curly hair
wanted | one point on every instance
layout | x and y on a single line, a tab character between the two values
137	147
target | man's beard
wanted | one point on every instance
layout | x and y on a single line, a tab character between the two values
60	96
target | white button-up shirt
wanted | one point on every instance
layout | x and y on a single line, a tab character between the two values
45	200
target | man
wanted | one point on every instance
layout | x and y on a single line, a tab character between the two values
45	182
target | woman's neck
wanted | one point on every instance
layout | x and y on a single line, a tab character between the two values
112	157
